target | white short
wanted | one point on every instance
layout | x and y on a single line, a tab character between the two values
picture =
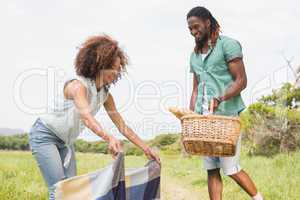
229	165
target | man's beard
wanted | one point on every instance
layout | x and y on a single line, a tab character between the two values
200	43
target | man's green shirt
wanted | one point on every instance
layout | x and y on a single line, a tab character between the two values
214	71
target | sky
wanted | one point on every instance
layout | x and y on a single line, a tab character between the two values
39	40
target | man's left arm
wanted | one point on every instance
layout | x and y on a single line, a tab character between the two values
237	70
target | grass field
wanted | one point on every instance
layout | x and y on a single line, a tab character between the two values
278	178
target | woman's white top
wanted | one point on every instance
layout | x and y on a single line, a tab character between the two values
63	117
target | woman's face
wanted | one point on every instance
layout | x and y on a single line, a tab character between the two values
109	75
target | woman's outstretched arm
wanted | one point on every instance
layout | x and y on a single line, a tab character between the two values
117	119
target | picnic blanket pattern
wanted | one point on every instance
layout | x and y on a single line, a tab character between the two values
113	183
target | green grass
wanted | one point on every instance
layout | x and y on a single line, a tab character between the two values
277	178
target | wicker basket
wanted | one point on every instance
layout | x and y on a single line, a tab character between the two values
209	135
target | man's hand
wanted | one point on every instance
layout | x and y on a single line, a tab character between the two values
215	102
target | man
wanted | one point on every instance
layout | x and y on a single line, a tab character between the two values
218	76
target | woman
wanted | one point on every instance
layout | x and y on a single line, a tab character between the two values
98	64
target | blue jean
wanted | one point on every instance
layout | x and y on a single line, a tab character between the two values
49	152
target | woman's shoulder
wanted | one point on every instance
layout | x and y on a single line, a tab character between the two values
78	80
74	83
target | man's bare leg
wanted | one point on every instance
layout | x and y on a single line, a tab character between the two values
215	185
243	179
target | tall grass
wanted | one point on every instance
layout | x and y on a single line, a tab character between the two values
277	177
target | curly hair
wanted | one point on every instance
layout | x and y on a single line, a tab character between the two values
98	53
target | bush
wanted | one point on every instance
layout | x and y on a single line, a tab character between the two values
175	148
272	124
131	149
15	142
163	140
92	147
169	143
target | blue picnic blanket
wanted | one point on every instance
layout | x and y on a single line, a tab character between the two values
113	183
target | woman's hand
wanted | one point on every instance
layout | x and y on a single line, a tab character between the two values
114	146
151	154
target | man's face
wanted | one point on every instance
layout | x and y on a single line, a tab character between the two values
199	28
